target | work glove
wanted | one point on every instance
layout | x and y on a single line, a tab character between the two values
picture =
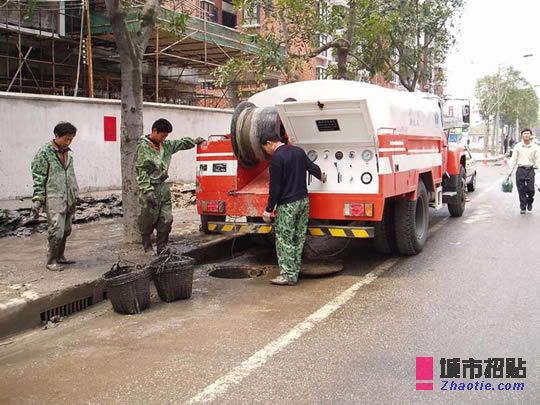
151	199
36	209
199	140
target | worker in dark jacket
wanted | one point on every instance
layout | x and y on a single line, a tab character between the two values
56	191
289	197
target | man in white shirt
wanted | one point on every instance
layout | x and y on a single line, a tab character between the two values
526	156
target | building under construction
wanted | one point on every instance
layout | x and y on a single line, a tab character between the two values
67	48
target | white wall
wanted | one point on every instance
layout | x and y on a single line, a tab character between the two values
28	122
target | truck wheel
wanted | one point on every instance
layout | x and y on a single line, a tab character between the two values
471	186
457	207
412	222
206	218
385	231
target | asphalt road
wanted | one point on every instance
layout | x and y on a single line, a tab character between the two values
349	338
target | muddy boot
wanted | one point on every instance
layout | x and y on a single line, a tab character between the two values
52	254
162	239
61	258
147	243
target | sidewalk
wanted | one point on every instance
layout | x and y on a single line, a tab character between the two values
481	157
28	290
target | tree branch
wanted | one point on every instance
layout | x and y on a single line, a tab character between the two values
148	22
119	28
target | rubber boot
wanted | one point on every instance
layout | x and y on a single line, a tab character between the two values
147	243
61	248
162	239
52	254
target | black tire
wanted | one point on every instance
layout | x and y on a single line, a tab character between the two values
206	218
385	231
471	185
412	222
457	208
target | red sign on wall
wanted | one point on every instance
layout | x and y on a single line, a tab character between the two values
109	129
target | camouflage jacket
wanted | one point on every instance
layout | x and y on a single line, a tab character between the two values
153	164
51	179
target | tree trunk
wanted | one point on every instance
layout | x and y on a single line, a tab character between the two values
486	138
343	51
131	130
131	47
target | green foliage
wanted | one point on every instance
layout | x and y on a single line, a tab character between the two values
369	37
176	23
516	97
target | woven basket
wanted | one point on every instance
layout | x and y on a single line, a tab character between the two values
128	288
174	278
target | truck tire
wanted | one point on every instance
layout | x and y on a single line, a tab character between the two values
385	231
457	207
206	218
412	222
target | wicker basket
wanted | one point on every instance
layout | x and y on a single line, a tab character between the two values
128	288
173	277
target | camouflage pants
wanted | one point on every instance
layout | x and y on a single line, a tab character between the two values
157	217
59	219
291	227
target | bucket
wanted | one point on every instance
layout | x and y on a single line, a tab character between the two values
128	288
173	277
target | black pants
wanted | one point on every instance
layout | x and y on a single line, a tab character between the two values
525	185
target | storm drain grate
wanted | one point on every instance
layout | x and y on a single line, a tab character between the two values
66	309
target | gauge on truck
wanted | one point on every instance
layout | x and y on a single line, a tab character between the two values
339	155
312	155
367	155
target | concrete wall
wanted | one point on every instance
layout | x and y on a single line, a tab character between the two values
28	122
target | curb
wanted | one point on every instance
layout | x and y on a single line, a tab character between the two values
20	315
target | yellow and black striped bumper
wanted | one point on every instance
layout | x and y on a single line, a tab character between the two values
320	230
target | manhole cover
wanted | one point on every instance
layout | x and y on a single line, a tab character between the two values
236	271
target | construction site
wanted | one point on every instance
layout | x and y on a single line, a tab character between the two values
67	48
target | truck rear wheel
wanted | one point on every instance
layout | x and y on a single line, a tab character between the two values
385	231
457	207
412	222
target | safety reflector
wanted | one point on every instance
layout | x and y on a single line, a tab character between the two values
358	210
213	206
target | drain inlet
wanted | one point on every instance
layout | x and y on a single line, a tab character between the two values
66	309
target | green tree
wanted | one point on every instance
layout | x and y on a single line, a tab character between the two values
367	37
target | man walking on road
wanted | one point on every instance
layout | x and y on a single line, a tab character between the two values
154	154
526	157
56	190
288	191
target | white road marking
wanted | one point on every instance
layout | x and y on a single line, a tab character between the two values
257	360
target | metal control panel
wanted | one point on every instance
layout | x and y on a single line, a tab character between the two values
349	168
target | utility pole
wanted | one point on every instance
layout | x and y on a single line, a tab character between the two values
89	51
496	125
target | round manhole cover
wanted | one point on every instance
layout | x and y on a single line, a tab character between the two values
236	272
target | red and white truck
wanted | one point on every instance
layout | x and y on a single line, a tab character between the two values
385	154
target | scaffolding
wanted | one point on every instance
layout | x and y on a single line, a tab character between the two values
67	48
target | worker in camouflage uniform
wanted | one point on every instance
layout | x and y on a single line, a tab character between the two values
56	191
154	155
288	191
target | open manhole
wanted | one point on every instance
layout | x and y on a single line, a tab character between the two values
235	271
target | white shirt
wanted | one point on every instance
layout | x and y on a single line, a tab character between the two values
525	155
